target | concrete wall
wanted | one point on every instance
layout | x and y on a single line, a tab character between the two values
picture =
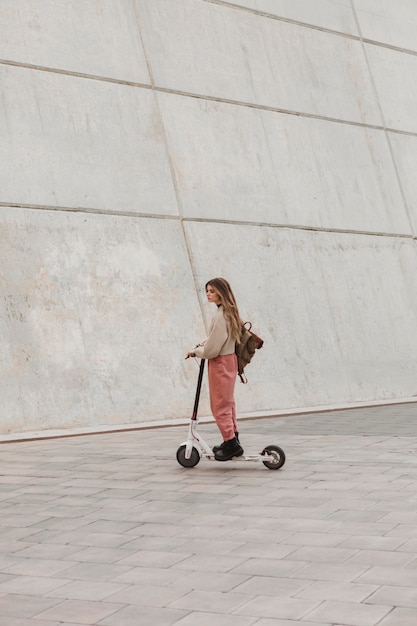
149	145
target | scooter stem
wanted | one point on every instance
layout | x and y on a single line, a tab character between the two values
198	390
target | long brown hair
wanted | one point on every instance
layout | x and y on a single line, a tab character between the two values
228	301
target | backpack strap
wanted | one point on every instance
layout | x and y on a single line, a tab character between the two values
242	377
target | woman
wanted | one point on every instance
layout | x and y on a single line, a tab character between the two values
219	350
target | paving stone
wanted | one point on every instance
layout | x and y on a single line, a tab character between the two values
82	611
322	554
148	595
341	592
394	596
278	607
209	619
153	558
346	572
400	617
95	571
349	613
208	581
18	621
214	547
37	567
24	605
31	585
389	576
389	544
144	616
408	546
271	586
383	557
48	551
285	622
264	550
97	554
316	539
94	590
212	601
148	575
269	567
159	544
210	563
359	528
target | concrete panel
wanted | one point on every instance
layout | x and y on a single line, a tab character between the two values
332	14
94	37
96	310
395	74
337	312
245	164
73	142
404	149
246	57
393	23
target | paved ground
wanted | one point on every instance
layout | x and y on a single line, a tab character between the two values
109	530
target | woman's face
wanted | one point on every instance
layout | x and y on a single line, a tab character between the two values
212	295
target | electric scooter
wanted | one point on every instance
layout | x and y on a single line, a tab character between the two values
191	451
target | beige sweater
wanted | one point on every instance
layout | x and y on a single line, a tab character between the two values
219	341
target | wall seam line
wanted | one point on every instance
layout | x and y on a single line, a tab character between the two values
330	31
208	98
272	109
172	170
73	73
206	220
386	131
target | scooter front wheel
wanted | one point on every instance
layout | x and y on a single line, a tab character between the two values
192	461
278	455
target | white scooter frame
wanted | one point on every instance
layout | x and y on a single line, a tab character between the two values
190	452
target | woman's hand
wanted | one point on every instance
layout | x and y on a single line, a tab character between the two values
191	352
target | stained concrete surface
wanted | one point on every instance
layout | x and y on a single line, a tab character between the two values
148	146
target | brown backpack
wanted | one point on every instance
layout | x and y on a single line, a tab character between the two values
249	342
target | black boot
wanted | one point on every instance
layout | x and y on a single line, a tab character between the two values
228	450
217	448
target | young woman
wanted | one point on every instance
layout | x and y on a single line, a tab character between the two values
219	350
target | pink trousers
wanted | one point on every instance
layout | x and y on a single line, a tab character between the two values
222	372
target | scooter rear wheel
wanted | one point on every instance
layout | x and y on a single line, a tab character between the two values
278	454
192	461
